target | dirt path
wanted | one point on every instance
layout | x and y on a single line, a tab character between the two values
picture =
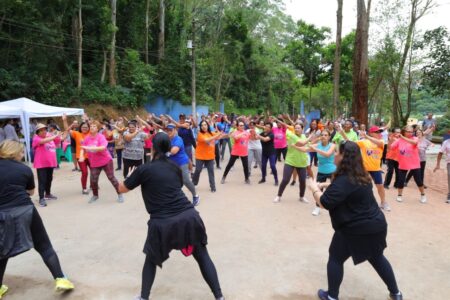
261	250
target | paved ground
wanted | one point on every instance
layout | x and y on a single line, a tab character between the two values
261	250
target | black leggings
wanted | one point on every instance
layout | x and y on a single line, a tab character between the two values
128	163
416	173
217	154
45	178
392	167
204	262
281	151
339	253
287	173
422	172
42	245
233	158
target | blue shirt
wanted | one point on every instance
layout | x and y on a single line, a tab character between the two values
213	129
181	157
326	164
224	127
186	135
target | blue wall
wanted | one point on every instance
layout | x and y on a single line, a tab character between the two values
158	105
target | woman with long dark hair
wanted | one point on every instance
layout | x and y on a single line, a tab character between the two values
174	222
205	154
359	224
18	212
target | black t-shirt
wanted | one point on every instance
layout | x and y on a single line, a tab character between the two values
15	179
161	182
353	207
267	147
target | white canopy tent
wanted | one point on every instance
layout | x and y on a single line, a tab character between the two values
25	109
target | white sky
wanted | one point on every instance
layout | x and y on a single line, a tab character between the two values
323	13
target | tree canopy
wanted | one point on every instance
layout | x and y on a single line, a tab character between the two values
249	54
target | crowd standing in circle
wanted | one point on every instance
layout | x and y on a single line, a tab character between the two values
345	154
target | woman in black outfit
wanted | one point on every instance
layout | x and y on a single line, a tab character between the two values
21	226
174	223
360	226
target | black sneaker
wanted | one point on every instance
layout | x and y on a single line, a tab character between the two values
196	200
293	183
247	181
276	182
261	181
213	190
398	296
386	187
42	202
323	295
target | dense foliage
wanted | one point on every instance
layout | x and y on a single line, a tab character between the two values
249	54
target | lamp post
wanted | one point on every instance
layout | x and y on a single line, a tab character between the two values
191	46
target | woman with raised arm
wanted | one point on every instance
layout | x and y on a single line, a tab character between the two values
133	152
18	212
268	153
45	161
359	225
205	154
99	159
408	160
423	145
239	150
325	155
79	137
296	161
174	223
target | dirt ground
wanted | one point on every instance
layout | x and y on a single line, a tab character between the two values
261	250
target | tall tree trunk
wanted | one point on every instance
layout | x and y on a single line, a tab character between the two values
105	62
409	88
397	110
361	64
161	39
80	46
147	25
112	57
337	59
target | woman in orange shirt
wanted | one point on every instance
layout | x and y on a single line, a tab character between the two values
205	153
79	137
391	160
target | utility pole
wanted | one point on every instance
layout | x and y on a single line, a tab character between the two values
194	101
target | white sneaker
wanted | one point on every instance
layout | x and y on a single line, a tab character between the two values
93	199
120	198
423	199
385	206
303	199
316	211
399	199
277	199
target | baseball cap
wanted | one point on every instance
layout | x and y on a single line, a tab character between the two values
375	129
171	126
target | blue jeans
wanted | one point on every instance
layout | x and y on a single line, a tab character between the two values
272	160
